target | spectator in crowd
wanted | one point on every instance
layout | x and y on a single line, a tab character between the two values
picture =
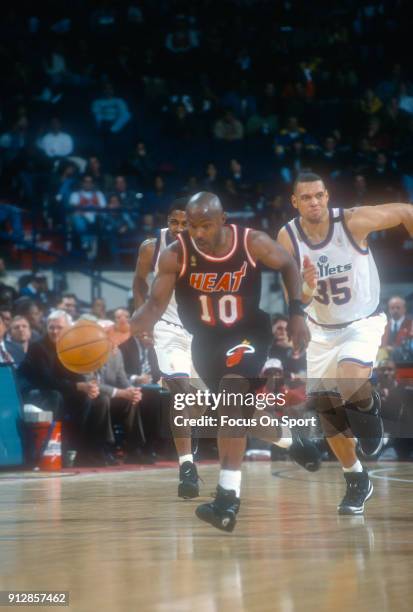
180	124
293	362
19	337
182	39
329	162
61	185
102	181
211	180
370	104
399	325
111	114
124	401
293	160
157	199
377	138
116	224
111	117
8	353
84	221
29	309
45	382
292	131
395	409
240	100
6	314
56	143
120	332
141	166
14	142
228	128
385	179
280	345
36	289
127	197
263	124
142	369
69	303
98	308
141	364
359	195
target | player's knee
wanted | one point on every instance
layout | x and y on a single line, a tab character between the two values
332	415
356	392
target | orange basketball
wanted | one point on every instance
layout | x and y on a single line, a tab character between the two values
84	347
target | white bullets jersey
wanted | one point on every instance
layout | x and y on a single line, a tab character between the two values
171	312
348	286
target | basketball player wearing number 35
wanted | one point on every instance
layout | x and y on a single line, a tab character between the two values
341	288
212	268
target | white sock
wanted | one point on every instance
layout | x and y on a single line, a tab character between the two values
286	440
230	480
356	467
183	458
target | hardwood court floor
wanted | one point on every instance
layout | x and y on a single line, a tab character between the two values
124	542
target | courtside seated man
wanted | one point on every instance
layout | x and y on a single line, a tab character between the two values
341	288
212	268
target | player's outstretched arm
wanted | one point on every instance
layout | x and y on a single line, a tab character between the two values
162	288
273	255
142	270
366	219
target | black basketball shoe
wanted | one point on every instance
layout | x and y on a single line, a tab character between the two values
222	512
188	487
367	426
359	489
305	453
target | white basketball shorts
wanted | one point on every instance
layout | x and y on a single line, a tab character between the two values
173	350
358	342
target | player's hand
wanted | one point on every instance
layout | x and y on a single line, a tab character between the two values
298	332
310	273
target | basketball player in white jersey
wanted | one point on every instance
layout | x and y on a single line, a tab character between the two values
172	341
341	290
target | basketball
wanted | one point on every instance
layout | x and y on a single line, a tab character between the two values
84	347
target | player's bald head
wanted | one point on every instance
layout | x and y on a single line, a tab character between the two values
204	204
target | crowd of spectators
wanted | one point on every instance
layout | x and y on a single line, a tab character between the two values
122	393
109	112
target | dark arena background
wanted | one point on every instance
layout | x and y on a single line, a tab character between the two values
109	112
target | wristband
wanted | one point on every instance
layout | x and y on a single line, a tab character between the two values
295	307
307	291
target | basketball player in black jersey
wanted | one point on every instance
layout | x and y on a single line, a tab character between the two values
213	269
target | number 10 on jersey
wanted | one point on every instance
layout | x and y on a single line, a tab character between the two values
228	309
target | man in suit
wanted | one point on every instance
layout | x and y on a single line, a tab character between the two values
45	382
399	326
124	403
140	360
18	338
141	366
7	354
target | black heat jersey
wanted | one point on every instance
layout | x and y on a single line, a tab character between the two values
218	293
